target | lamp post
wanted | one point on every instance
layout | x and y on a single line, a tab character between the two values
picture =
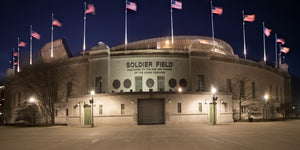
213	91
32	100
266	97
92	102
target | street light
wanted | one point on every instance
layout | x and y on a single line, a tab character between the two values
213	91
92	102
266	97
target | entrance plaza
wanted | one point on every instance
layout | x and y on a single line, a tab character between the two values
277	135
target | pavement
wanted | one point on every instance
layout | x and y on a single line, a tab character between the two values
276	135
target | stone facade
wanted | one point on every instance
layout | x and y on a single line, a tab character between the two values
122	78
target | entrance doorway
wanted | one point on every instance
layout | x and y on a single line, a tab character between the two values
151	111
87	115
211	113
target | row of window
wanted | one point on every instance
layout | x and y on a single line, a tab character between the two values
172	83
76	110
246	109
149	83
241	88
100	112
179	109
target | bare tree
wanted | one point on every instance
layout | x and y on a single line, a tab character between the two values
47	82
29	114
286	110
244	94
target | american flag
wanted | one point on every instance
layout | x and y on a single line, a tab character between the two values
249	18
280	40
285	49
22	44
217	10
131	5
35	35
267	31
176	4
91	9
55	22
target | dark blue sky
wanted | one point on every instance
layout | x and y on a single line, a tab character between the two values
151	20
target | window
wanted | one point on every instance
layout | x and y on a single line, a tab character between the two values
76	110
160	83
276	90
253	90
271	90
150	83
69	89
15	101
56	112
228	85
200	107
116	84
122	108
67	112
225	107
179	107
19	99
278	109
127	83
242	88
182	83
201	86
100	109
138	84
281	96
172	83
98	84
244	109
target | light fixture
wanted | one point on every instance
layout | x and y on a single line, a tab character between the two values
31	100
169	101
93	92
213	90
167	42
266	97
132	101
180	89
206	101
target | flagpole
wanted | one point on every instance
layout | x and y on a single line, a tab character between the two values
84	28
264	41
244	35
13	59
172	34
279	55
18	69
30	55
52	36
212	26
125	25
276	51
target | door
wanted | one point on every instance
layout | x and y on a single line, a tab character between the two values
87	115
151	111
211	113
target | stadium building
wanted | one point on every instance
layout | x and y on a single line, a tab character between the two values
153	81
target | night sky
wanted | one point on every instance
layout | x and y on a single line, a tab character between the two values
151	20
